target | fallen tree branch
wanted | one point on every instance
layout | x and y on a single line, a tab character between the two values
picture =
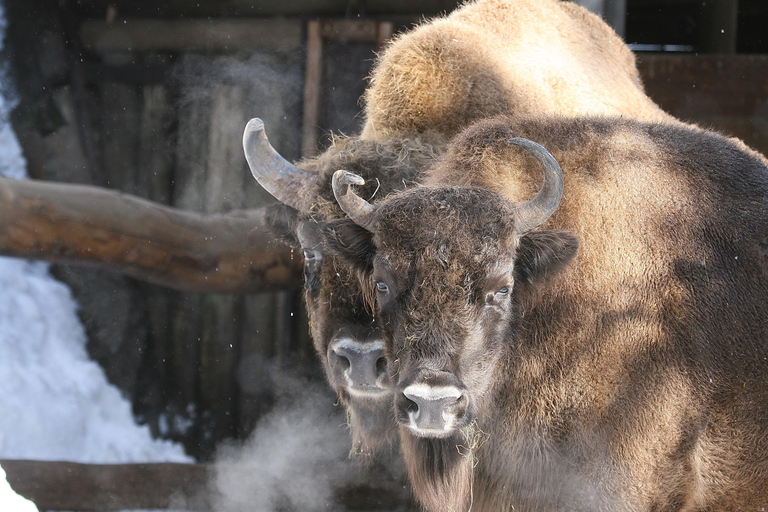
151	242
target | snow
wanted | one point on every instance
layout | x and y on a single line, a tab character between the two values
10	501
55	402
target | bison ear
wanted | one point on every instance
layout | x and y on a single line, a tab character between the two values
350	243
542	254
282	221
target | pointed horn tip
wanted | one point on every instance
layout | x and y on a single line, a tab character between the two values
254	124
343	177
254	127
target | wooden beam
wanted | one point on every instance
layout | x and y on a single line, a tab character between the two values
349	31
230	35
187	251
384	33
57	485
91	487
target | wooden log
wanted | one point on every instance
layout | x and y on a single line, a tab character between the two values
178	249
54	485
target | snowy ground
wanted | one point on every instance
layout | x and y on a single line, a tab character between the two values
55	402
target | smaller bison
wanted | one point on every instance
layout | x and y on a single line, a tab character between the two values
345	336
628	371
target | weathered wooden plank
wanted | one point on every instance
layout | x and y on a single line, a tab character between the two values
58	485
118	129
735	84
155	146
231	35
347	31
189	8
90	487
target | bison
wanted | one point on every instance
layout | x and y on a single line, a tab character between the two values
489	57
625	371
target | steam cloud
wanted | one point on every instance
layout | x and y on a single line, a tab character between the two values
295	459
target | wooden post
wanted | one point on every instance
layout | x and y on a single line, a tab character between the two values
344	31
384	32
312	81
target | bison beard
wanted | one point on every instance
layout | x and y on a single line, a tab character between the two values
442	469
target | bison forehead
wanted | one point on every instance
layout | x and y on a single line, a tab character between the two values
386	167
447	225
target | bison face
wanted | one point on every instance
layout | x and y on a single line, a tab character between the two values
341	322
448	266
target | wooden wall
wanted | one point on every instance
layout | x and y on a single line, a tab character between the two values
163	119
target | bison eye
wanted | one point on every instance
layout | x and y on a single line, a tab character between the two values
498	298
382	287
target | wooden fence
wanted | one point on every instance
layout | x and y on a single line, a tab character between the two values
57	485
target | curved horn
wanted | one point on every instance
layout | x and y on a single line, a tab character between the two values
533	213
277	175
356	208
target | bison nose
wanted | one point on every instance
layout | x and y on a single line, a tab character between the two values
432	411
359	366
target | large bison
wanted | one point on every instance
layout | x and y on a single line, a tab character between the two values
633	376
489	57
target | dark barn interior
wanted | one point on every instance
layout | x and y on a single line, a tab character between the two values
150	98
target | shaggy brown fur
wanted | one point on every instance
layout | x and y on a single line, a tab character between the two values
523	57
636	378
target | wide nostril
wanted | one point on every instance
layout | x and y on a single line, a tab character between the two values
381	366
432	410
409	406
358	365
341	360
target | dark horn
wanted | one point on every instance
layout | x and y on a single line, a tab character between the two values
277	175
356	208
533	213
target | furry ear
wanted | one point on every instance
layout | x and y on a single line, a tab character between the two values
282	222
350	243
542	254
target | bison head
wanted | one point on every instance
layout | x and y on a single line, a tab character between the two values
345	335
449	266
